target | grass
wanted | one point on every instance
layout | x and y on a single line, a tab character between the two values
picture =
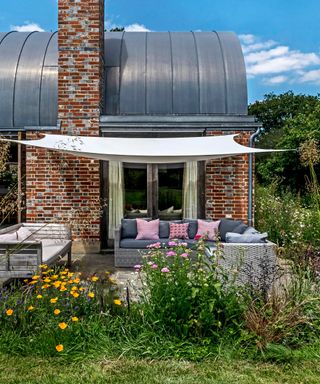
28	370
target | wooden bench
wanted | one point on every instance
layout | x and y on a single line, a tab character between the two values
47	244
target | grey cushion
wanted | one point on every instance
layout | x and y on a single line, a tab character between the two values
229	225
246	238
140	244
193	227
164	229
128	228
250	231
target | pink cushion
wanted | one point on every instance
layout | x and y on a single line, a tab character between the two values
148	230
208	229
179	231
9	237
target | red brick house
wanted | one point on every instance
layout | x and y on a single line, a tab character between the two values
83	81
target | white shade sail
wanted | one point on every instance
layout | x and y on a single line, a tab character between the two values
144	150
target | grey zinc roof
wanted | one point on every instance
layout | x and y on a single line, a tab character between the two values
174	73
155	73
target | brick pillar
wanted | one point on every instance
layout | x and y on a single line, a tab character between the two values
61	187
227	184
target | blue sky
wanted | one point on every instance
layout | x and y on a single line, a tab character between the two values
280	38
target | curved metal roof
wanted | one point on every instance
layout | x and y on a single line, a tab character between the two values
156	73
174	73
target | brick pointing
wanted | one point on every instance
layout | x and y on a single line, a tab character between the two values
227	184
59	185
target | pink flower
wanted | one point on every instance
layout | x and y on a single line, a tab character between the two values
154	266
184	255
138	267
184	244
165	270
154	245
150	263
171	253
172	244
197	237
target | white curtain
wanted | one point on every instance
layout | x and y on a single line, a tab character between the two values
190	190
116	195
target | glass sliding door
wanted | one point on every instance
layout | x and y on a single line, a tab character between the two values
170	191
135	187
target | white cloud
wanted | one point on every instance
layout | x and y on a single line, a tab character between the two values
310	77
278	63
276	79
136	28
27	27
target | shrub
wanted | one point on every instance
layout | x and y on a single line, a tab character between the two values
188	294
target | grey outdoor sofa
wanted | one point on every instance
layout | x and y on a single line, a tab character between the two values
22	258
253	256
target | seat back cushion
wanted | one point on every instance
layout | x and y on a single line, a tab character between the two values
179	231
232	237
193	227
129	229
229	225
208	229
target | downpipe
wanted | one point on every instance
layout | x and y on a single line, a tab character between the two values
250	189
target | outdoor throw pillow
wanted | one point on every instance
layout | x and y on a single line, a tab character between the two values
208	229
23	233
8	237
147	230
179	231
246	238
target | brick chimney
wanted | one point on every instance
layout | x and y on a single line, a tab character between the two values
62	187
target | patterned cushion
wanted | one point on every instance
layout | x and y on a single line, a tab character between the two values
179	231
147	230
208	229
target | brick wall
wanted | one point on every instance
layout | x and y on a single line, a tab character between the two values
60	186
227	184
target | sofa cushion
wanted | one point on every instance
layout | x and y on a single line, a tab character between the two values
129	228
8	237
164	229
208	229
140	244
246	238
179	231
229	225
193	227
250	231
148	230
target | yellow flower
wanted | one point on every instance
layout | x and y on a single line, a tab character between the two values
25	280
81	289
59	347
47	280
63	325
39	297
54	277
76	281
91	294
35	277
43	266
30	308
74	318
44	272
70	274
64	272
53	300
117	302
45	286
63	288
9	312
57	284
74	288
56	311
33	282
74	294
95	278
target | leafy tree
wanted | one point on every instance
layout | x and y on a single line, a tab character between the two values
289	120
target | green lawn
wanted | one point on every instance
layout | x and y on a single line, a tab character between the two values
15	370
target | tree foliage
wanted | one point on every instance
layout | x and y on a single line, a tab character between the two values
289	120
